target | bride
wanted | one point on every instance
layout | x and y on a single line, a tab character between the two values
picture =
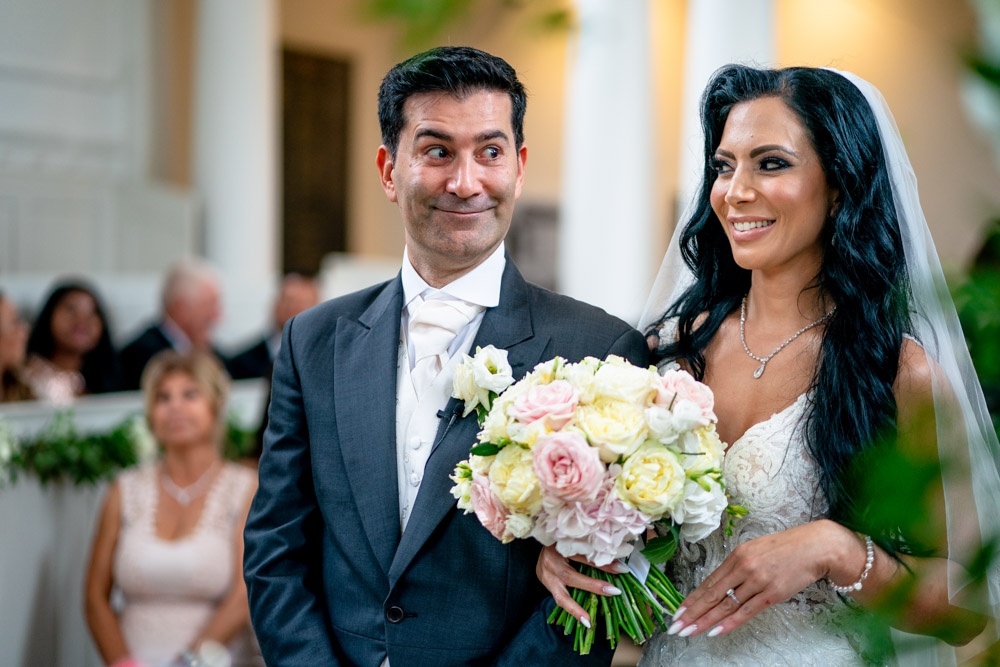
804	289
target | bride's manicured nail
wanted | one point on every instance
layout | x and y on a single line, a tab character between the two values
679	612
620	567
585	622
675	628
716	631
612	590
689	630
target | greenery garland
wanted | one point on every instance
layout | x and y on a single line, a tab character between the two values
61	453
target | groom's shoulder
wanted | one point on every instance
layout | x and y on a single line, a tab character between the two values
351	305
561	309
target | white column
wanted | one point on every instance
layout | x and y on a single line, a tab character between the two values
718	32
235	133
606	208
235	149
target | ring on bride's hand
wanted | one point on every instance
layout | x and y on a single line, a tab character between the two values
732	596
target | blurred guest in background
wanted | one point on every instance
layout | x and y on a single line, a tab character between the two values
13	337
296	294
189	311
170	536
69	350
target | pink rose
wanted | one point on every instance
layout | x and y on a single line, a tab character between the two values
488	508
554	402
680	385
567	467
600	530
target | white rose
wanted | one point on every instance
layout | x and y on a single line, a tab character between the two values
688	415
661	424
652	479
700	511
491	369
618	379
520	525
581	376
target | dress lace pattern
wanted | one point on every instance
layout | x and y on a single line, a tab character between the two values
770	472
171	587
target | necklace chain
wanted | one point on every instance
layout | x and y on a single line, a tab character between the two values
763	361
185	495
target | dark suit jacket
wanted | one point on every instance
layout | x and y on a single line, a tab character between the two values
137	354
253	362
331	580
144	347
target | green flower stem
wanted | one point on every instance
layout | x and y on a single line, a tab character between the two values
637	612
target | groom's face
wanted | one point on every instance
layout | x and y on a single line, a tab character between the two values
455	177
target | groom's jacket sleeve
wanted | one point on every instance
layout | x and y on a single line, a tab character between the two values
538	642
281	563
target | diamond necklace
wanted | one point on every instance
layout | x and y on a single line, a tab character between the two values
763	362
187	494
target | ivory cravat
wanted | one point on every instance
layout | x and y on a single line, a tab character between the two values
432	329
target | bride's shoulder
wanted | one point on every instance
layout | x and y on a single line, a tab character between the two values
916	370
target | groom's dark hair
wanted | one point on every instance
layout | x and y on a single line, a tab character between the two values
457	70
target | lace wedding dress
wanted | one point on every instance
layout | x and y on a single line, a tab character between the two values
769	472
172	587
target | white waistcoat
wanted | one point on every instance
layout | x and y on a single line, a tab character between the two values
417	424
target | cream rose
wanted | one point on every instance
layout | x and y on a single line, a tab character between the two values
618	379
616	428
514	480
652	479
703	451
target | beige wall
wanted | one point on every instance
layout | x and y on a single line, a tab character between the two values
908	48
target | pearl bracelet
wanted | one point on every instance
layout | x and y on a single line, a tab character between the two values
869	560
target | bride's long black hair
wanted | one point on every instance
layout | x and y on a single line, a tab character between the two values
863	271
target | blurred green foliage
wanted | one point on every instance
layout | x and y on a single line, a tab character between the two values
425	23
977	298
60	453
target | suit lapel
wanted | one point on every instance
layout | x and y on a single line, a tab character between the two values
508	326
365	404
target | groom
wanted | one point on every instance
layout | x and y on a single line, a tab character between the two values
355	551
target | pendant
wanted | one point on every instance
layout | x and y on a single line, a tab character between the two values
760	371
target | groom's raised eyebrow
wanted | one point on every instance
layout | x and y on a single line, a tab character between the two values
444	136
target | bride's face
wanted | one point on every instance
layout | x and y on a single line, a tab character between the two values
771	194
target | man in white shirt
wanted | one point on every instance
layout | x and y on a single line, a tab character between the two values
355	551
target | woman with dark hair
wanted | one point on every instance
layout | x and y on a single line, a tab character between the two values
803	288
70	350
13	335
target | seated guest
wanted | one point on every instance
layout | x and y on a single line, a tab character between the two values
170	534
69	350
189	311
13	337
297	293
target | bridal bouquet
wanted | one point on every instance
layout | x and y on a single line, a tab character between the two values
588	456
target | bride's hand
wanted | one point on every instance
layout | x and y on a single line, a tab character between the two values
765	571
556	574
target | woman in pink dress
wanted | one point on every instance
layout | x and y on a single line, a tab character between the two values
165	581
